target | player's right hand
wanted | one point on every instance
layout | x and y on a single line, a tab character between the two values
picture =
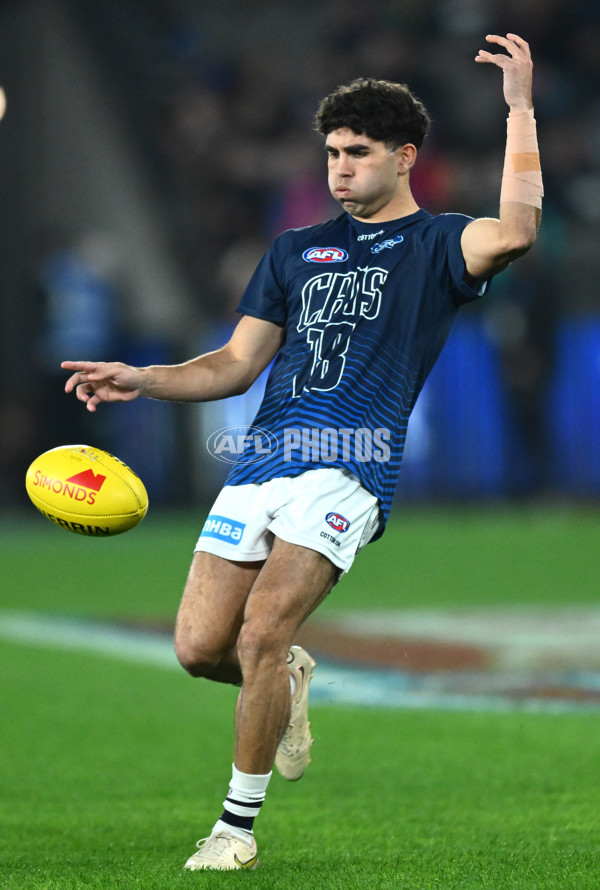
96	382
516	67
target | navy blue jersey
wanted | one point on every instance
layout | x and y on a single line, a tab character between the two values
367	308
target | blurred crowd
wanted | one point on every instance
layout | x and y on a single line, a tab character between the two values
235	128
222	95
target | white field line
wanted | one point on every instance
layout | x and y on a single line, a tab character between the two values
60	632
332	684
515	638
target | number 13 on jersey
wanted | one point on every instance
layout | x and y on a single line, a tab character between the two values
328	346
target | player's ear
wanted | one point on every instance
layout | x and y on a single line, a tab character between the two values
406	155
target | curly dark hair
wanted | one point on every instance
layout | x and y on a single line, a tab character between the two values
387	112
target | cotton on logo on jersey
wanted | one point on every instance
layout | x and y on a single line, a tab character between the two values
325	255
223	528
370	236
337	522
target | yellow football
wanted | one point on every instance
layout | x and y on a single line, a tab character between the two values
86	491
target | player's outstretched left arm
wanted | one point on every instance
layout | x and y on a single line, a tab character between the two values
489	245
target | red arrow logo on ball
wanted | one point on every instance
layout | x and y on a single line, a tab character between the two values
88	479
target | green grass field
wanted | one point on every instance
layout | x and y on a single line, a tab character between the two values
111	771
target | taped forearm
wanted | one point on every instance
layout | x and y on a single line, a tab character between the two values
522	175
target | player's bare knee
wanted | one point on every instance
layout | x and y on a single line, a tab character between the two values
197	660
260	640
193	662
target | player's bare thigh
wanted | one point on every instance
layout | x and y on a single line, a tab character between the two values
290	585
211	614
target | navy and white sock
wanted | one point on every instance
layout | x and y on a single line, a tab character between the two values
244	800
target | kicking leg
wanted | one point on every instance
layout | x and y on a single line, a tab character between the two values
291	584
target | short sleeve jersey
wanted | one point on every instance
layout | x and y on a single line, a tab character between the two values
366	308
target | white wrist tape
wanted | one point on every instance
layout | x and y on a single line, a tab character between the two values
522	175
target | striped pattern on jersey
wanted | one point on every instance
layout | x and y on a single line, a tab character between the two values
367	309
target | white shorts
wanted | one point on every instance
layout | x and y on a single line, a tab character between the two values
326	510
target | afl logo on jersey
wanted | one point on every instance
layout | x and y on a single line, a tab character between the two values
325	255
337	522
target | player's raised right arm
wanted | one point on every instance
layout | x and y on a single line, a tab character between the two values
227	371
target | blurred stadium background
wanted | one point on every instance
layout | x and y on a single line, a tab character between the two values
150	151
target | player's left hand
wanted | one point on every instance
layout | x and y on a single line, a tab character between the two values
517	69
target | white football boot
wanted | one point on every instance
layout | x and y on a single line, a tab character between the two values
223	852
293	753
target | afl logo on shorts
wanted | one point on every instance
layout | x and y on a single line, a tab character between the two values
325	255
337	522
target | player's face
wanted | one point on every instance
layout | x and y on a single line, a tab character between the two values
364	174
